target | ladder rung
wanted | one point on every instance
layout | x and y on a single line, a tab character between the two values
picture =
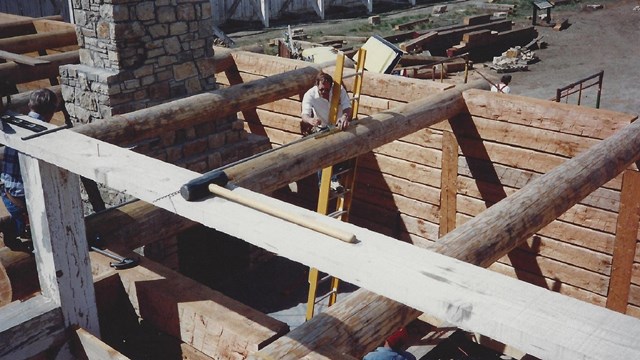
355	98
337	214
337	194
326	296
342	171
352	75
324	279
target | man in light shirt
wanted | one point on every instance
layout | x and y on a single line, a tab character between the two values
317	101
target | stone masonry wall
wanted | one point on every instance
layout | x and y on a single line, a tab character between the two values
135	54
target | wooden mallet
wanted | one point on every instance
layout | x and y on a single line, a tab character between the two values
215	182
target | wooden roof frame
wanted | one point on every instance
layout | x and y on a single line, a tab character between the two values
553	326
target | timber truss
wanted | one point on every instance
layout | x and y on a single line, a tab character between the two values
446	281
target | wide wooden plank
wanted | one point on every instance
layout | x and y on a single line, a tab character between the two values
204	318
91	347
30	327
47	24
537	113
575	234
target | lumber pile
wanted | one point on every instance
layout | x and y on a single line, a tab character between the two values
484	43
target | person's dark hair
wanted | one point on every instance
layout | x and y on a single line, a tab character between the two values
323	77
505	79
43	101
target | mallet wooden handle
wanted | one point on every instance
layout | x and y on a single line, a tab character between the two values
294	218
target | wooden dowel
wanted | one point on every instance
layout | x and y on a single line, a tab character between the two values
293	218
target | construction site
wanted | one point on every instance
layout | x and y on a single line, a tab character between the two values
178	208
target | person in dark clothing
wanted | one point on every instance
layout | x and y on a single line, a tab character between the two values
43	103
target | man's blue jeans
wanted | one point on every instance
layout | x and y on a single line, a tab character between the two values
17	214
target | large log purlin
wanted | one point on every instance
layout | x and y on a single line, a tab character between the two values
134	126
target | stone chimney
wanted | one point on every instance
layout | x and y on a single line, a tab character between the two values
136	54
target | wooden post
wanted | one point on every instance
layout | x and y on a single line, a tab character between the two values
448	187
624	249
61	248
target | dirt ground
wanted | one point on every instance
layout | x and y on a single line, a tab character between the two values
604	39
596	40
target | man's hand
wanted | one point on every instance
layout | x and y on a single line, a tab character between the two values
343	122
311	120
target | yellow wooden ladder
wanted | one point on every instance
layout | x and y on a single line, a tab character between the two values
345	171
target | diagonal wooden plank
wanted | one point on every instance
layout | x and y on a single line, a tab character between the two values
22	59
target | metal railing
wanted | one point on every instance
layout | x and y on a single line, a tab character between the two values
577	88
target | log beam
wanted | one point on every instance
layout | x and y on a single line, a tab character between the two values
146	123
278	168
35	42
17	74
22	26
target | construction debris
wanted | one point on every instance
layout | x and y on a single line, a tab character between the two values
512	60
439	9
561	25
411	24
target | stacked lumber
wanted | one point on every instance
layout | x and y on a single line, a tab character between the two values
485	43
439	39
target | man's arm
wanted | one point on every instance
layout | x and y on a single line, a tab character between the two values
342	122
307	111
